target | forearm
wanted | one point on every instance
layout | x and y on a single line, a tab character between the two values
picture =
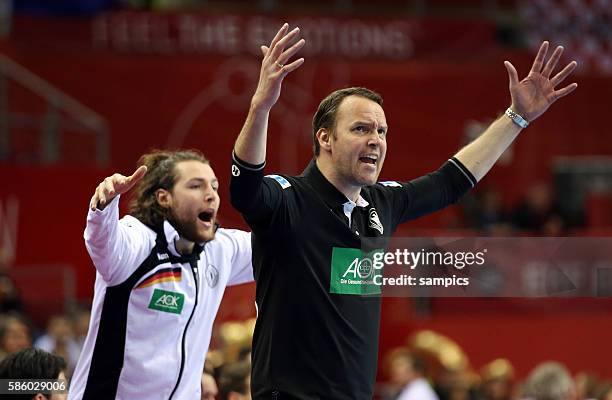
480	155
251	143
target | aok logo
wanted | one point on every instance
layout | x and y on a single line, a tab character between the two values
352	272
163	300
167	300
362	269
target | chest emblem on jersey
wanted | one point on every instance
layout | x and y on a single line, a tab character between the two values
162	275
212	275
166	301
374	221
353	272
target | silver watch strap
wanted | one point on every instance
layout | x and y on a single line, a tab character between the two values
520	121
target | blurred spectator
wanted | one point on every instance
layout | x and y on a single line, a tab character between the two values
10	299
245	354
59	339
458	384
213	360
485	212
586	386
550	381
604	392
235	381
407	376
81	325
15	334
538	213
209	387
497	380
33	363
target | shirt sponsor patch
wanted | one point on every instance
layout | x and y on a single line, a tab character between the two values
391	183
282	181
166	301
353	272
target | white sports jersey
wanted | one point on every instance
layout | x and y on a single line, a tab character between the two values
153	309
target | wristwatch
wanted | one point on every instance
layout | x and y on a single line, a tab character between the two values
520	121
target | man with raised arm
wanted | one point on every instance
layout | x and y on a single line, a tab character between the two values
161	274
316	335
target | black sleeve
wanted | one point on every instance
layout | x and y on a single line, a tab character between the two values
428	193
256	198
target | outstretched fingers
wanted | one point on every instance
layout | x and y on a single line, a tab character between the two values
539	60
292	67
290	52
557	79
277	49
552	62
281	32
564	91
512	74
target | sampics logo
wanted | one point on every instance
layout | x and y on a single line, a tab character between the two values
353	272
163	300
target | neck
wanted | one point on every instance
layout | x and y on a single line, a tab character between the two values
184	246
331	174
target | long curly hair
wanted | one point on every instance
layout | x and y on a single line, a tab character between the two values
161	174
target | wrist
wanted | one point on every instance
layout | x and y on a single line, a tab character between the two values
517	118
101	206
259	106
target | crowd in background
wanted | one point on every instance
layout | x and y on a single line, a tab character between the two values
433	367
430	366
536	213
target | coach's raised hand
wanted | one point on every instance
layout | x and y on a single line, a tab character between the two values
251	143
114	185
532	96
274	65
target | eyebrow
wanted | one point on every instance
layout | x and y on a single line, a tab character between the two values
214	180
369	123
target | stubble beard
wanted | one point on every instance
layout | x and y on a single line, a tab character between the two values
189	229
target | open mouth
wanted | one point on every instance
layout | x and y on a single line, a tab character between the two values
372	160
206	216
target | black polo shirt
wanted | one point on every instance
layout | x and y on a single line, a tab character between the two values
316	335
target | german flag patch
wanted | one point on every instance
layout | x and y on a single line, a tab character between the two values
163	275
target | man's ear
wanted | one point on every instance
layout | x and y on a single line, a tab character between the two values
324	136
40	397
163	197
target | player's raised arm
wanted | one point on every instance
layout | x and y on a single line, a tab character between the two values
531	97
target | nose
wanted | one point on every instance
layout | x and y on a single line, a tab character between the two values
210	194
374	140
